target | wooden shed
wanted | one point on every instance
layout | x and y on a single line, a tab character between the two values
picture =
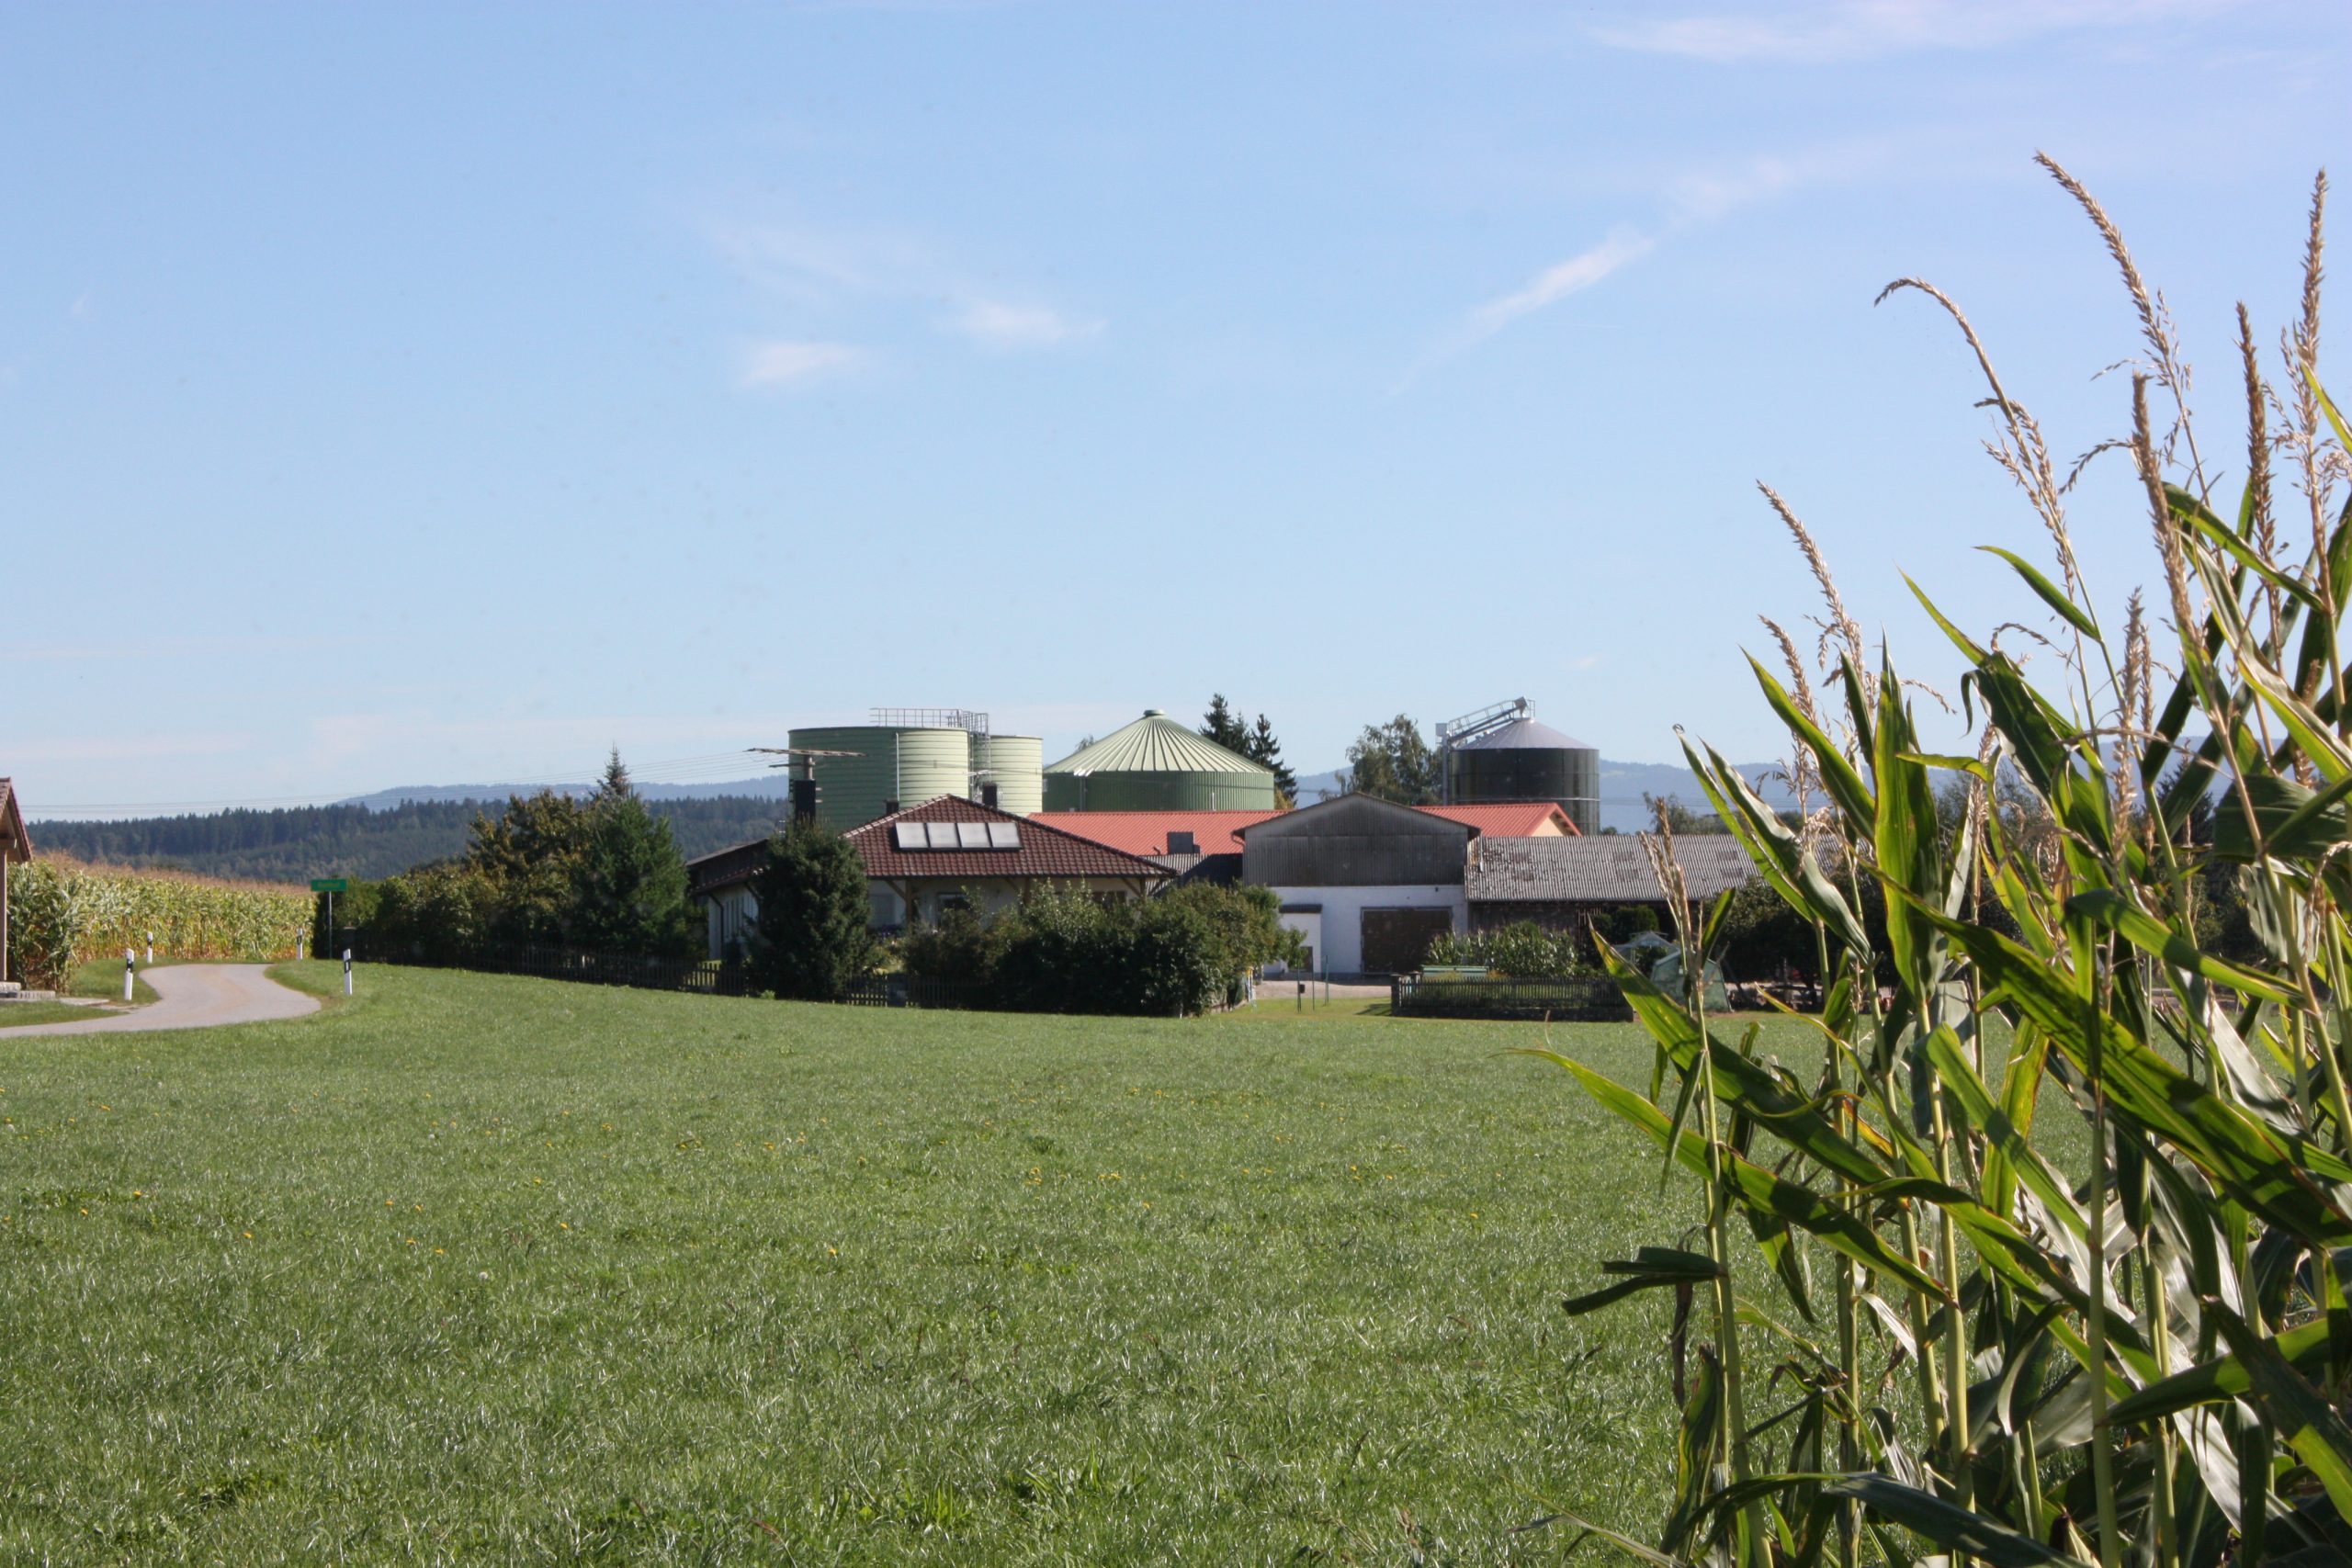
16	847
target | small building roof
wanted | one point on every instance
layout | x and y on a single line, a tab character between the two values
1145	832
1156	744
1354	813
16	843
1608	868
1511	818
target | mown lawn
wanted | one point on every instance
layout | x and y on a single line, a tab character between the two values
492	1270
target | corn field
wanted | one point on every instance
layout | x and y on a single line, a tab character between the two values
61	914
2043	1258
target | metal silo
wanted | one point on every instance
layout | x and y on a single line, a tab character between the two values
906	765
1157	764
1526	761
1015	766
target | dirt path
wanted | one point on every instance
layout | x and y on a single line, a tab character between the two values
194	996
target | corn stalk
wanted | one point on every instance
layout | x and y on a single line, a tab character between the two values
2139	1352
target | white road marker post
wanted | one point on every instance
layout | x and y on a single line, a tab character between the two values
130	972
347	971
150	950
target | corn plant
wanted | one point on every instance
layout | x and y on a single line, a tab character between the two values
1931	1320
61	913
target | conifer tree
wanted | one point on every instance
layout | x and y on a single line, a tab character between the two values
812	940
1262	746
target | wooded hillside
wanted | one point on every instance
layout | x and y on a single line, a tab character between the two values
300	843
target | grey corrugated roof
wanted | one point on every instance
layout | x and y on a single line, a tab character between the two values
1608	868
1523	735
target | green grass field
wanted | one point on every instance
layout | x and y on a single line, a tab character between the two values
492	1269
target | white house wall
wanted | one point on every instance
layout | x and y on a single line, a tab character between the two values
1338	933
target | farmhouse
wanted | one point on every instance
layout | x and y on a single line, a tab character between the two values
17	845
945	854
1561	883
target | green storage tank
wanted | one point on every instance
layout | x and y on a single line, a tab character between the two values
1015	765
1157	764
907	765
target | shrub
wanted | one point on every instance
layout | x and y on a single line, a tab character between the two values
1521	951
1063	950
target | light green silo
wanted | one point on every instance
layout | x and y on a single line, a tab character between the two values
908	766
1157	764
1016	764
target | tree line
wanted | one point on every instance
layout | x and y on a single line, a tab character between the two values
296	843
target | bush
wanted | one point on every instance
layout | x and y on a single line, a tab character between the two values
436	914
1063	950
1522	950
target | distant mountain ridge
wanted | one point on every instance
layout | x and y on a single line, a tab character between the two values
298	843
765	786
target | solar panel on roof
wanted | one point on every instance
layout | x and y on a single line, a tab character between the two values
1003	835
943	835
972	835
909	836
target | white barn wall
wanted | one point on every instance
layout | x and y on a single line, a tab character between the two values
1339	950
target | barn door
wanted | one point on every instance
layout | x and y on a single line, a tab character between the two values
1395	941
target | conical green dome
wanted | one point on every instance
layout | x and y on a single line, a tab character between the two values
1157	764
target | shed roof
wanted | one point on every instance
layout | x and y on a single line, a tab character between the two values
1156	744
16	843
1145	832
1511	818
1608	868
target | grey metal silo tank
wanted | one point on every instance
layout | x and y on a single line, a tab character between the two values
1527	761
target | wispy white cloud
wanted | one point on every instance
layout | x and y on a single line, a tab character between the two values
1831	31
882	276
1554	284
789	363
1684	200
998	324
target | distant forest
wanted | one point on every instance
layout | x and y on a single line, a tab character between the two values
297	844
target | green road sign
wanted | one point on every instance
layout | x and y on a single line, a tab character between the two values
330	885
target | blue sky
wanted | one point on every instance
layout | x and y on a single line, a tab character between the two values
413	394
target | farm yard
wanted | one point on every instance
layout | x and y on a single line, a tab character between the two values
483	1267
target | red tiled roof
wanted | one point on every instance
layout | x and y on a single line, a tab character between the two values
1145	832
1046	852
1508	819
